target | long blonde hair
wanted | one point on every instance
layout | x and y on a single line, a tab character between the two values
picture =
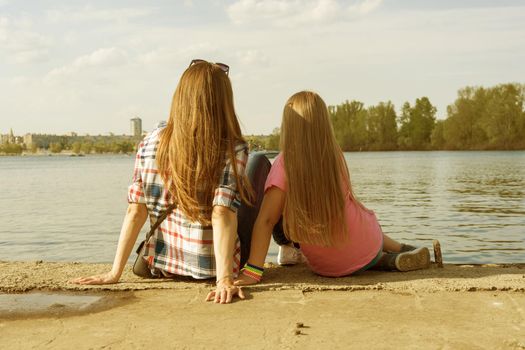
201	133
316	172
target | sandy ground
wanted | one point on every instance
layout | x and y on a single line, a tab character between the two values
456	307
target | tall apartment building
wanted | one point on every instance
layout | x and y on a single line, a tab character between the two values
136	127
28	140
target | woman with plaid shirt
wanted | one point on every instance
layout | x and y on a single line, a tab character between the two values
197	160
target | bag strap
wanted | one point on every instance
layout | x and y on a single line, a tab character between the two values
159	220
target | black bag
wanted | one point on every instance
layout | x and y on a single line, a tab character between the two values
140	267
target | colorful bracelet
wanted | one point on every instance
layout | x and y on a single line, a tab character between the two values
253	271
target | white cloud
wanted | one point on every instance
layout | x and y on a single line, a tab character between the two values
365	7
89	14
99	59
171	55
296	12
20	44
106	56
391	54
253	58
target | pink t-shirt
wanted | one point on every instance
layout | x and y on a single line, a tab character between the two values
364	242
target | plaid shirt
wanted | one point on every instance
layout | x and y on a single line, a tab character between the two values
180	246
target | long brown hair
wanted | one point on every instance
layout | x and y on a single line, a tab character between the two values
201	133
316	172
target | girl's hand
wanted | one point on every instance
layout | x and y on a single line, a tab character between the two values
224	292
244	280
106	278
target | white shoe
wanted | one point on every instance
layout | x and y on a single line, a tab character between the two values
416	259
289	255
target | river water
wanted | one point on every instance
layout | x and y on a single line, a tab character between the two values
71	208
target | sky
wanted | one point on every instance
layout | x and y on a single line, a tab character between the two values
90	66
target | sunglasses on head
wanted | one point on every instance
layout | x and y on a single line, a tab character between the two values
224	67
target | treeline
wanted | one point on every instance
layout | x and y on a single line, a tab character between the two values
479	119
74	144
85	144
379	128
11	148
484	118
264	142
99	147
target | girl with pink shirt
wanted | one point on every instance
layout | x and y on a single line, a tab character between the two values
309	188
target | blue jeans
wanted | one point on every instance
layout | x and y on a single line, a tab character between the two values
257	170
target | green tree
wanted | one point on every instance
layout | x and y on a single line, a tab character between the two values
417	124
487	118
349	120
437	139
463	129
86	147
11	149
504	120
272	141
382	127
100	147
76	147
121	147
255	142
55	147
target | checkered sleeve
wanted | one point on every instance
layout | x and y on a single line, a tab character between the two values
136	189
227	194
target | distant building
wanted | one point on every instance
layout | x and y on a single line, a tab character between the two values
11	136
28	140
136	127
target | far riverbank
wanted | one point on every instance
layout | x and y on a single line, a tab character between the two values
71	154
63	154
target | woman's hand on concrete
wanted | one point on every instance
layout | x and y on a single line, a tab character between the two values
105	278
224	292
